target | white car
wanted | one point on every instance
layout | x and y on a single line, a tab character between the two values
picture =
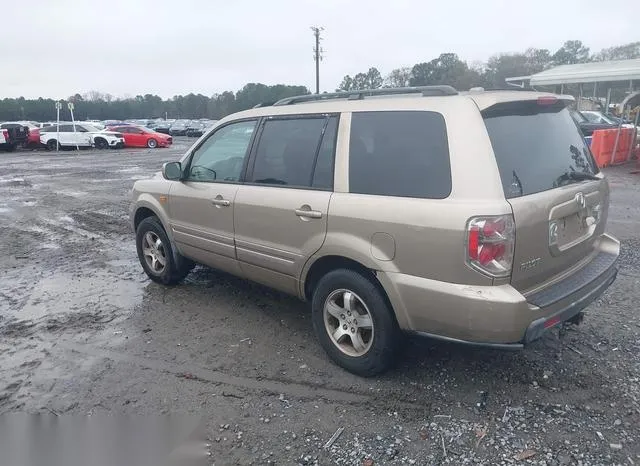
84	136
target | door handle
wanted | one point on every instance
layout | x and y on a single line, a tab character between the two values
220	202
308	213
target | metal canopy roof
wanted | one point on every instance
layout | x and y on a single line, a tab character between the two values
603	71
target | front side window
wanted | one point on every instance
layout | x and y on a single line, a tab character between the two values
286	152
221	156
399	153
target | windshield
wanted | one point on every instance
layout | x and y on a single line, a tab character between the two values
579	117
91	129
537	147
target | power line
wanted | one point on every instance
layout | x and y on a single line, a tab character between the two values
317	54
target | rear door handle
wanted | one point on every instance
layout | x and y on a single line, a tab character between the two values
218	201
308	213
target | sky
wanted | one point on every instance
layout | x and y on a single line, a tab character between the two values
56	48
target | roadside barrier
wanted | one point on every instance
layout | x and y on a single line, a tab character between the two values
603	145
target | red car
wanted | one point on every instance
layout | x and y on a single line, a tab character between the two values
139	136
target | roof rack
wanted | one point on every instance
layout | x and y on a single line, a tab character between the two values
361	94
264	104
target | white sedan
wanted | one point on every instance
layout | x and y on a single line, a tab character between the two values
84	136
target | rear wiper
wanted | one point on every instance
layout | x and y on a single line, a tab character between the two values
576	176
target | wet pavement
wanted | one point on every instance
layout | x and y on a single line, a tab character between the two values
83	331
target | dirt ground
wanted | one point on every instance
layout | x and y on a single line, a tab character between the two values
83	331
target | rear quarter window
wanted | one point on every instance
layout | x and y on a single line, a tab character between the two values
399	153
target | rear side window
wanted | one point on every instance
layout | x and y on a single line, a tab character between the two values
536	146
403	153
286	152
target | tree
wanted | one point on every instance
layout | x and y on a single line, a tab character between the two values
573	51
500	67
400	77
621	52
372	79
447	69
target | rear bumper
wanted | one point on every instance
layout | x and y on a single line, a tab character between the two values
497	316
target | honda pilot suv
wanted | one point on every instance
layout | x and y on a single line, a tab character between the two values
472	217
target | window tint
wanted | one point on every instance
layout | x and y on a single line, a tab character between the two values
221	156
287	150
401	153
536	146
323	174
66	128
79	129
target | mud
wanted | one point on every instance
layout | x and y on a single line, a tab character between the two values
82	331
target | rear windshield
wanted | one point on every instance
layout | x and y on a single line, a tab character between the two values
536	146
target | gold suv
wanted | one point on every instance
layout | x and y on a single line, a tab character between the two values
473	217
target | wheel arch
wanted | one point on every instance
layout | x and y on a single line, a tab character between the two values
146	207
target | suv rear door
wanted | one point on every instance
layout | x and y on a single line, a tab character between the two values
549	177
281	210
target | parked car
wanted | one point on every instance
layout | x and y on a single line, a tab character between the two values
82	135
5	141
587	127
195	129
140	136
179	128
18	134
32	140
391	226
102	138
162	127
64	136
601	118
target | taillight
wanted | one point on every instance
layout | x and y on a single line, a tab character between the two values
490	243
5	134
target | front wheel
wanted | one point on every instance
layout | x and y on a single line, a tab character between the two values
152	143
354	323
156	254
52	144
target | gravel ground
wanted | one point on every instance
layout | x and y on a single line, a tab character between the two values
82	331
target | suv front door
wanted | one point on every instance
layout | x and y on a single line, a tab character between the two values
281	210
201	205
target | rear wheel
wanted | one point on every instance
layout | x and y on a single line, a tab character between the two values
101	143
354	323
52	144
152	143
156	254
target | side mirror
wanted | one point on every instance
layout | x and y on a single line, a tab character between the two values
172	171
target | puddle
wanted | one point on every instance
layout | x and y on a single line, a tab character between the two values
5	210
67	219
66	293
30	203
72	193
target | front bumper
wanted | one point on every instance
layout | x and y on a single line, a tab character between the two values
117	143
497	316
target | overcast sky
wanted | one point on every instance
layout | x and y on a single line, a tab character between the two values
55	48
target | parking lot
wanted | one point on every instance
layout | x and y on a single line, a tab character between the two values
82	330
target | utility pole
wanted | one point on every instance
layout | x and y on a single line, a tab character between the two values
317	51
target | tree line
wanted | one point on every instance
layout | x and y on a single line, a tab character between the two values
448	68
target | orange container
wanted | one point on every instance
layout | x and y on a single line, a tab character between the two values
624	143
602	147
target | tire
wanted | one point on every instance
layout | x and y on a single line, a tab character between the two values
52	144
11	147
101	143
152	143
380	348
174	269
